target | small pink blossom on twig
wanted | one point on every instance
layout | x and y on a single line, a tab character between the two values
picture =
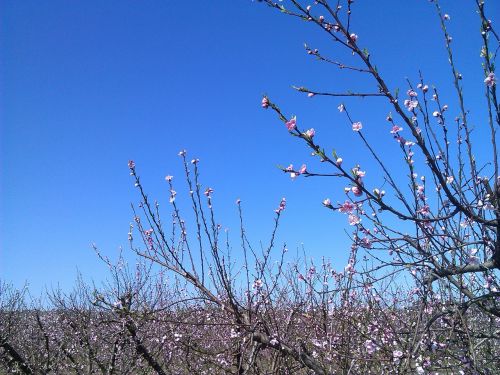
425	210
292	123
173	193
370	347
395	129
360	173
347	207
490	80
281	206
208	191
410	104
473	258
411	93
357	191
397	355
357	126
310	133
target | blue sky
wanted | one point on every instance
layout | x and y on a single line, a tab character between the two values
87	85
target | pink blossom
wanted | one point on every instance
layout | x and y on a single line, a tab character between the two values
436	114
425	210
395	129
360	173
357	191
473	259
489	282
357	126
341	108
257	284
425	88
366	243
291	124
347	207
327	202
353	219
400	139
208	191
281	206
289	168
397	354
131	164
410	104
353	37
446	17
490	80
339	162
370	347
182	153
173	193
310	95
265	102
411	93
310	133
303	169
195	161
449	179
169	178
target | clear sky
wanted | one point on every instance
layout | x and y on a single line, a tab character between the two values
87	85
